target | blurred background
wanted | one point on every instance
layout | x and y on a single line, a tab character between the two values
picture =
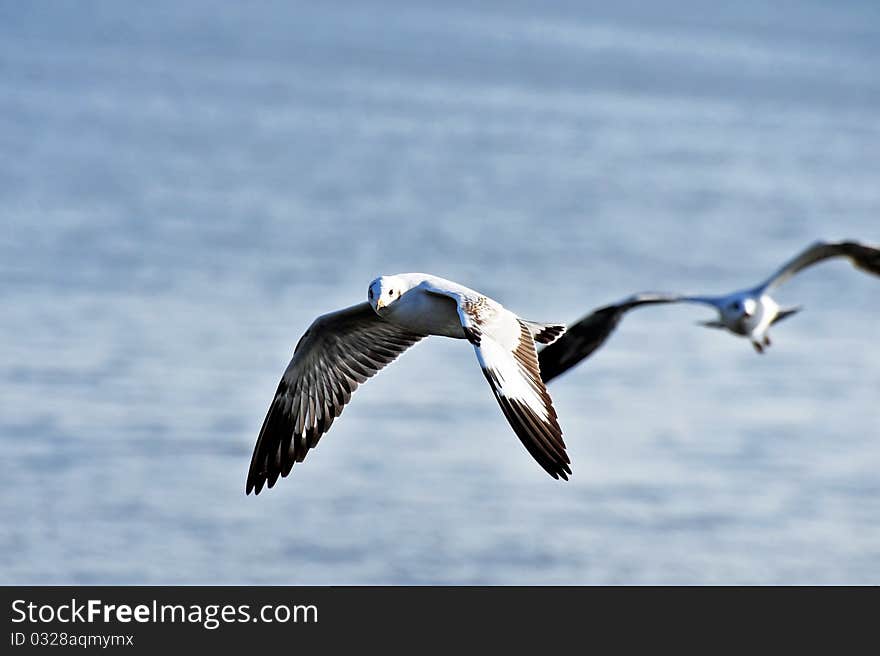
184	187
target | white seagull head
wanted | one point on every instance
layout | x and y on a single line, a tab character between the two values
384	290
739	312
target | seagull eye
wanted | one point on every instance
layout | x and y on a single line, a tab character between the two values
391	292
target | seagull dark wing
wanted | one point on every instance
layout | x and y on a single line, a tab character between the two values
581	339
862	256
337	353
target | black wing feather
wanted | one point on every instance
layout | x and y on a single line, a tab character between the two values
337	353
581	339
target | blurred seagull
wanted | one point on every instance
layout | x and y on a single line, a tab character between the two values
343	349
748	313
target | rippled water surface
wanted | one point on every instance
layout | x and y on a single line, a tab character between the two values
184	188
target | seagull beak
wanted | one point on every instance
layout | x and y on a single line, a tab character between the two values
380	304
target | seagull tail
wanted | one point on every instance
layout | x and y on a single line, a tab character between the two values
544	333
784	313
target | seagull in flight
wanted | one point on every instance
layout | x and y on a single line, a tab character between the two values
342	349
748	313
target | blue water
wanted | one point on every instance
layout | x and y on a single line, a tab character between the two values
183	188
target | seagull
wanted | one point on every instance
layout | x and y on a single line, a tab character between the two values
342	349
748	313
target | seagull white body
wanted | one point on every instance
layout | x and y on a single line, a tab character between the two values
412	305
748	313
342	349
419	302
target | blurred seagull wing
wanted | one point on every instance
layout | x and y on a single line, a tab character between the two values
863	256
581	339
